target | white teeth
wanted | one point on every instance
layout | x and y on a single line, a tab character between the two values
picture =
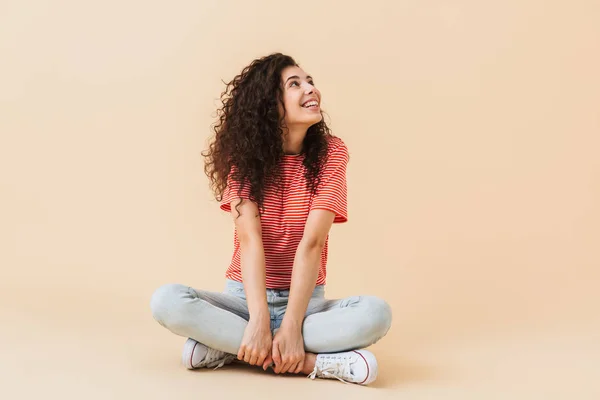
311	103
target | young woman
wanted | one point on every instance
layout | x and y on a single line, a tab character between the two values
275	166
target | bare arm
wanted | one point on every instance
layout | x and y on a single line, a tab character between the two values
247	223
306	265
288	345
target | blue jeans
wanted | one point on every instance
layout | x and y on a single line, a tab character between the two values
218	319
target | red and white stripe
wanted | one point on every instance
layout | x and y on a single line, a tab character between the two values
285	213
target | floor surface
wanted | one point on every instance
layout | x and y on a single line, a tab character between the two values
73	346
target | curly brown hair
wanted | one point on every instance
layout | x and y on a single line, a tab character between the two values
248	136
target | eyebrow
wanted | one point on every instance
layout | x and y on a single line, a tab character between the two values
297	77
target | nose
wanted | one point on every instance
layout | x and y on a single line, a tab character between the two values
308	88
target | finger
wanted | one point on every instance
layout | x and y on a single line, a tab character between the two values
276	354
291	368
268	361
285	367
247	356
299	367
278	367
276	358
261	359
240	354
253	359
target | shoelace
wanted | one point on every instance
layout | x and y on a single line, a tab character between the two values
332	368
215	358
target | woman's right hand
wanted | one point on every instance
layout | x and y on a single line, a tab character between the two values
257	343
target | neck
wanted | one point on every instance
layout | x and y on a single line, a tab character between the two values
293	139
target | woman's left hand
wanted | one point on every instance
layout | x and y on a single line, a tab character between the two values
288	349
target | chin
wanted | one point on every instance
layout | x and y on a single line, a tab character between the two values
316	120
308	122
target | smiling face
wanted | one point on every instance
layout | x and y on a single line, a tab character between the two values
300	98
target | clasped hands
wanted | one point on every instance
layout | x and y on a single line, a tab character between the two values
285	349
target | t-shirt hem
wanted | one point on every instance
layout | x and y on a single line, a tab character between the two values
339	217
285	287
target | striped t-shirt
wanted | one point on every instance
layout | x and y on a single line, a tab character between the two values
286	211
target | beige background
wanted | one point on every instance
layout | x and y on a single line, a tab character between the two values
474	189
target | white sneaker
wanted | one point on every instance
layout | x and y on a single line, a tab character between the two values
197	355
358	366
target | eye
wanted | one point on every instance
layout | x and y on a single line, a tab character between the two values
294	82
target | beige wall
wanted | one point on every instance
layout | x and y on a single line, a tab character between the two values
473	127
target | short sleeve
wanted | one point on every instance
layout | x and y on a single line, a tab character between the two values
231	192
332	192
